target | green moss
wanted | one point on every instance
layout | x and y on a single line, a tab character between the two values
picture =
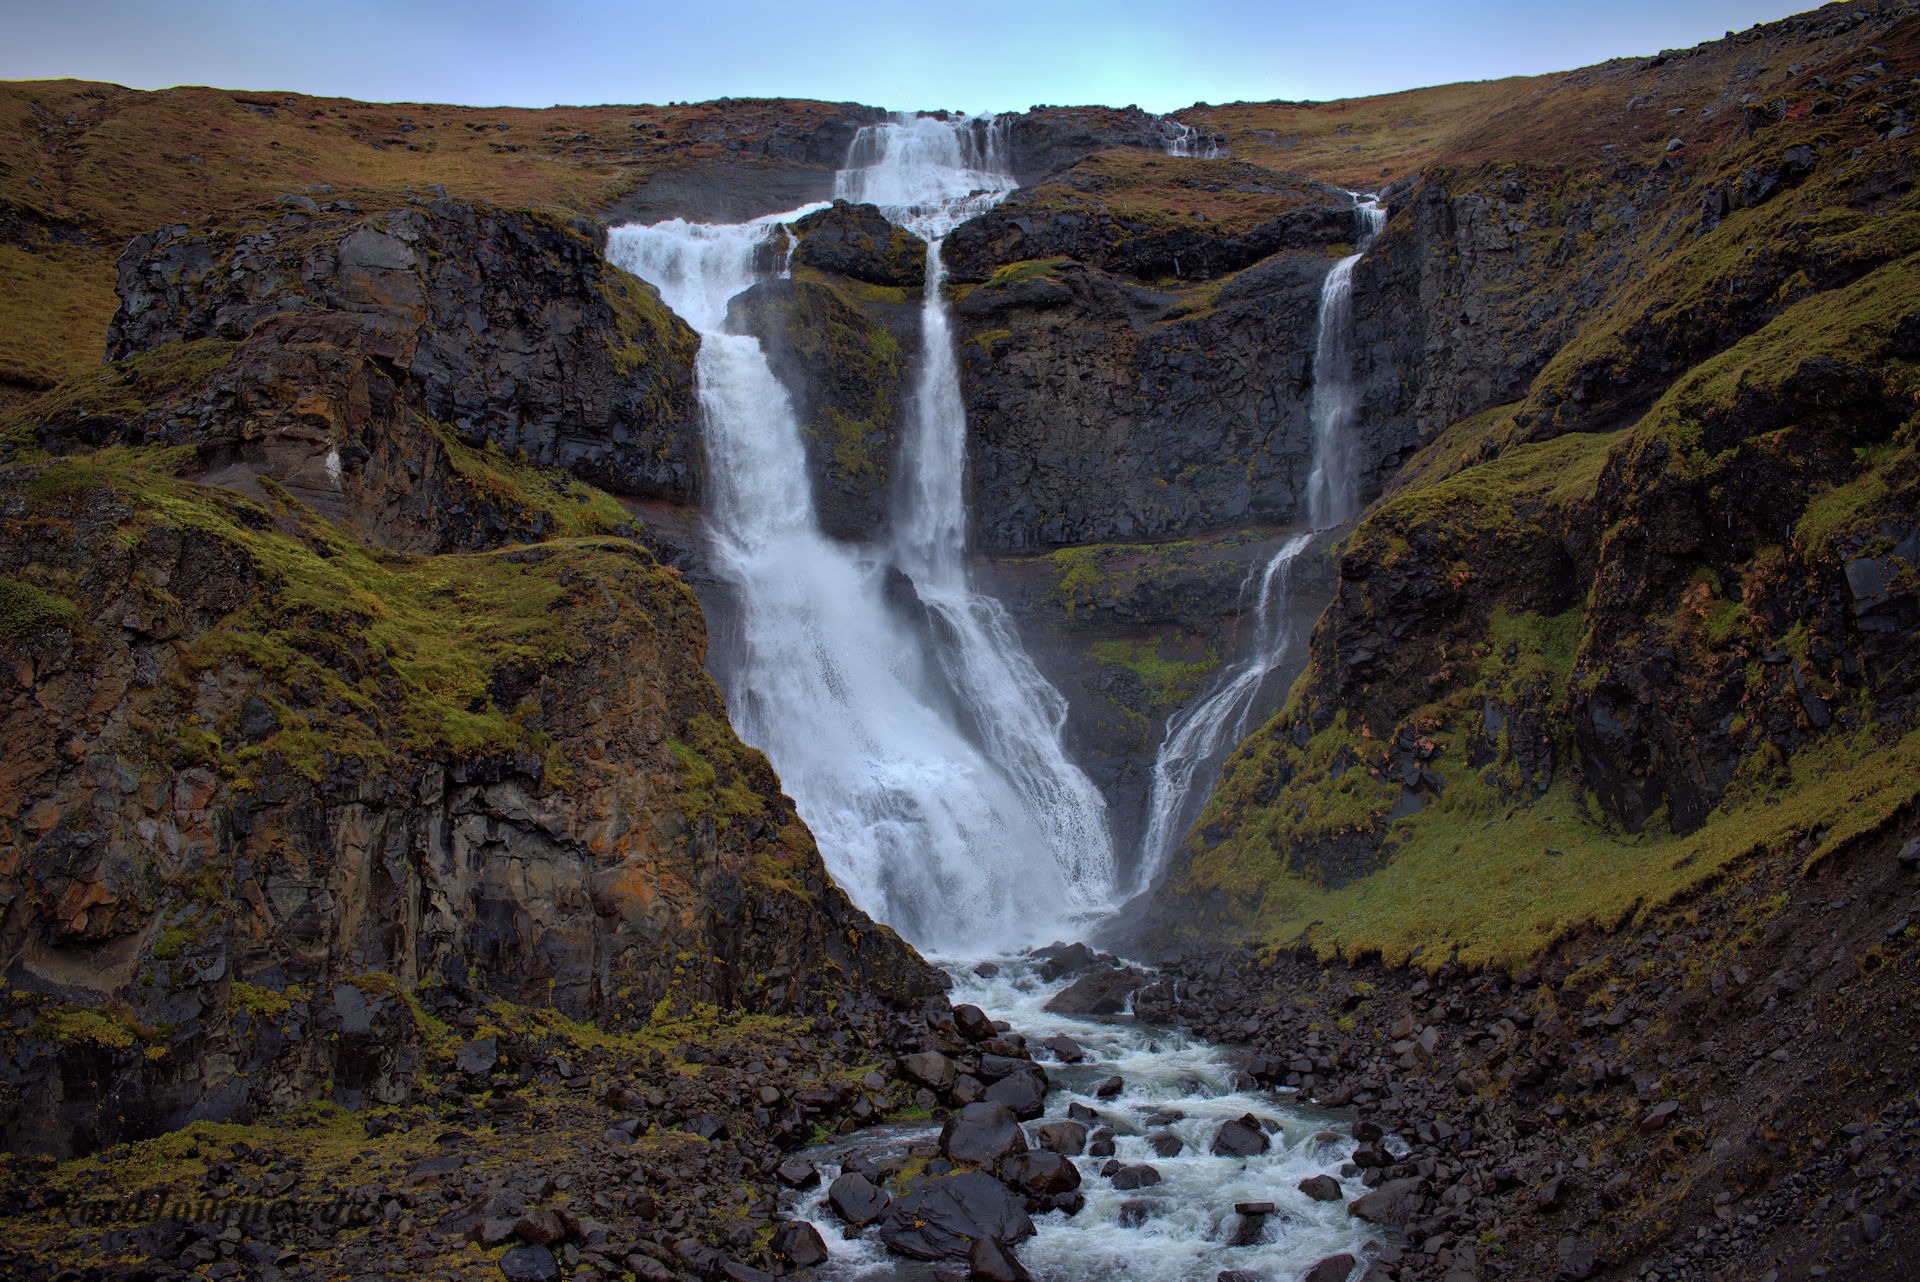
1029	269
558	504
261	1003
717	773
127	389
26	611
1169	682
107	1028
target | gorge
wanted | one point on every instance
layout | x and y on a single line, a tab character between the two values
688	691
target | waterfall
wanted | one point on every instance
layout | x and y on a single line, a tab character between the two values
1190	142
932	776
1198	735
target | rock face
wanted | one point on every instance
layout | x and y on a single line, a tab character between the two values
266	780
507	327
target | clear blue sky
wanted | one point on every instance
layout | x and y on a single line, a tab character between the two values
977	55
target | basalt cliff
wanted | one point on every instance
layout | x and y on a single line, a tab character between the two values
362	767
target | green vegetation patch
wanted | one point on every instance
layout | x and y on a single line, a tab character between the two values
26	611
1169	682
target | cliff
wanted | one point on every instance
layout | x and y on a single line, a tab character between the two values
336	690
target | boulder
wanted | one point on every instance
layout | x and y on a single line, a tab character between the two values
1138	1176
1396	1202
973	1023
800	1244
1059	961
1102	992
1241	1137
1024	1092
1321	1188
992	1261
856	1199
942	1218
1068	1051
1067	1138
1165	1144
1334	1268
529	1264
1041	1174
858	241
931	1069
981	1134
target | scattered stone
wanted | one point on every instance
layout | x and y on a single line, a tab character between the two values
973	1023
1321	1188
931	1069
1109	1087
541	1228
1658	1116
1065	1049
1396	1202
1165	1144
1137	1176
1334	1268
529	1264
477	1057
1243	1136
798	1173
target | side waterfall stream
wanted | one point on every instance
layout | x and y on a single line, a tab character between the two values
933	773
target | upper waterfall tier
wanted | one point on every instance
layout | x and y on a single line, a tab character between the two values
926	173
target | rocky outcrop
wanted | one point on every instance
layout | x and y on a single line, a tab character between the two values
271	778
1045	140
508	327
857	241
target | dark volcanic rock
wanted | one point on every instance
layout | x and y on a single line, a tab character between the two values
506	325
856	1199
1103	992
989	1260
858	241
1025	1093
981	1134
941	1218
1240	1137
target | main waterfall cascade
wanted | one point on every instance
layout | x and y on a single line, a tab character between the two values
1198	735
933	776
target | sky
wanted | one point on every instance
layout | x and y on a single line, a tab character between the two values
983	55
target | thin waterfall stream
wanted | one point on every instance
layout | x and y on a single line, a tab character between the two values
1200	734
928	761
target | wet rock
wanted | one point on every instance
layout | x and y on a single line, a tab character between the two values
1136	1176
1109	1087
1248	1230
1099	993
981	1134
1068	1051
1082	1113
943	1217
1024	1092
1165	1144
1334	1268
529	1264
800	1244
1066	1138
973	1023
856	1199
1060	960
992	1261
797	1173
1100	1143
1041	1173
1321	1188
1240	1137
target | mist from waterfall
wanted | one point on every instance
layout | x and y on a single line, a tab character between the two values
931	771
1199	735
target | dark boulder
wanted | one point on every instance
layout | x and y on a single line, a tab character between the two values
981	1134
1023	1092
991	1261
1137	1176
942	1218
1334	1268
800	1244
1066	1050
1396	1202
856	1199
973	1023
1041	1174
1059	960
1103	992
529	1264
931	1069
1241	1137
1321	1188
1067	1138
